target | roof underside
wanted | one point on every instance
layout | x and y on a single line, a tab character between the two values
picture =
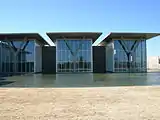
129	36
21	36
74	35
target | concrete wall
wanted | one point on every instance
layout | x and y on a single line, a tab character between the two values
38	58
49	59
99	65
109	57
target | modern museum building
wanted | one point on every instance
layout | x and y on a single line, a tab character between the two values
22	53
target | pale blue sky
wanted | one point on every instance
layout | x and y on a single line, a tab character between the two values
82	15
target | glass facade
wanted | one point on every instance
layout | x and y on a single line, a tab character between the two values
74	55
130	56
17	56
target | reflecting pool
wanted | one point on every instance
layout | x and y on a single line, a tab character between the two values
82	80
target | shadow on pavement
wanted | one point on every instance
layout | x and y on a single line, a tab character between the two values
5	82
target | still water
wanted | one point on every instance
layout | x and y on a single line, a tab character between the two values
82	80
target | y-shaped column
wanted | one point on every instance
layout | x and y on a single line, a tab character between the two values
129	51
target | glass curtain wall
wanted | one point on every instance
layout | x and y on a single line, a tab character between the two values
130	56
17	56
74	55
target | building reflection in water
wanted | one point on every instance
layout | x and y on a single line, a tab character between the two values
71	80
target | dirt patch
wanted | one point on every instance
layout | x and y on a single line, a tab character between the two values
113	103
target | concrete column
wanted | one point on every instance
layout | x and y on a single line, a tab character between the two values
37	57
110	57
145	56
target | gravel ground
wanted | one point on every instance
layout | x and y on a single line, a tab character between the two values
110	103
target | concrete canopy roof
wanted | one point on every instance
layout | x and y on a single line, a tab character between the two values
74	35
129	36
29	36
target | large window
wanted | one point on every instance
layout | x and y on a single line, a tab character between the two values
17	56
74	55
130	55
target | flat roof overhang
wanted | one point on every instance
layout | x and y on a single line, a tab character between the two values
21	36
73	35
129	36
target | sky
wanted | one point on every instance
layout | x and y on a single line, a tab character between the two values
104	16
